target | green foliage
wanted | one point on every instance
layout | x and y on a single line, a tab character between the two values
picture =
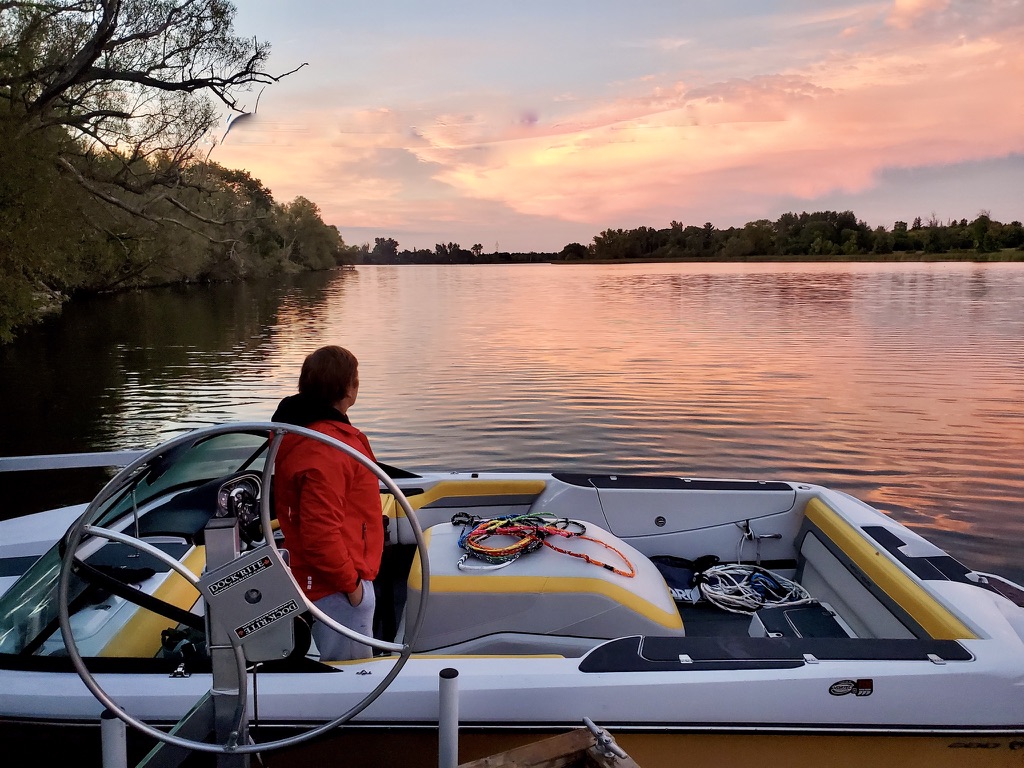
574	252
102	108
58	240
821	235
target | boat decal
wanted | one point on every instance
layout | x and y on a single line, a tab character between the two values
863	687
246	572
268	618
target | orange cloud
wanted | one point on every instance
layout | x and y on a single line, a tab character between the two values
876	98
906	12
834	126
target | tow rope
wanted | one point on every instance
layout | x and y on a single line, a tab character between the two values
528	533
741	588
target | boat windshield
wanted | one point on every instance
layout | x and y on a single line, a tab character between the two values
184	466
164	485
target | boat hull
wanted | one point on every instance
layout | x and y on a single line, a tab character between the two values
384	746
893	651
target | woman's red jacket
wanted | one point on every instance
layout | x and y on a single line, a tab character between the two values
329	508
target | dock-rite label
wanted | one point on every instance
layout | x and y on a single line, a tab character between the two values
240	575
268	618
862	687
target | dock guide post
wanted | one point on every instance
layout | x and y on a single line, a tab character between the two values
114	741
448	718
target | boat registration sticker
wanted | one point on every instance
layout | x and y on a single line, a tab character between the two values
268	618
856	687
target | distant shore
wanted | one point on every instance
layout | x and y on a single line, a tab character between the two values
1005	255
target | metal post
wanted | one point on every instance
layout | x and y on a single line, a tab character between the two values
223	546
448	719
114	741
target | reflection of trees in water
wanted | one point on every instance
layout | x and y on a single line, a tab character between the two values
68	374
73	383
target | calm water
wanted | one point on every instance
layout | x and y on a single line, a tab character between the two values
902	384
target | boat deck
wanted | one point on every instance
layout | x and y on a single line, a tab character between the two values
706	620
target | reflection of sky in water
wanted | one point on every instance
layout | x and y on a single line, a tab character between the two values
902	384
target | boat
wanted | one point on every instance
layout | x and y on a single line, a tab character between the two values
720	619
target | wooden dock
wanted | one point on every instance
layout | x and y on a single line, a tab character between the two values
574	749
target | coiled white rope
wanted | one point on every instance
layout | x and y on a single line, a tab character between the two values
746	588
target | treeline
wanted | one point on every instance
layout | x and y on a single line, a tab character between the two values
385	251
822	235
819	235
58	239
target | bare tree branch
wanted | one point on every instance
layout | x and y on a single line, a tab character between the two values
135	77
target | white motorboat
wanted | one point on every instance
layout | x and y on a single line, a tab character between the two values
728	619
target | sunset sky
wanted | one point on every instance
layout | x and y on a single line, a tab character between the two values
528	125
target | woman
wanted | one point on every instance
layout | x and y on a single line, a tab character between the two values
328	504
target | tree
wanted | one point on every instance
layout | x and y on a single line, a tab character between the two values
981	229
130	86
883	241
385	250
452	253
574	251
311	243
477	249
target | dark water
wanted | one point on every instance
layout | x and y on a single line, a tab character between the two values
900	383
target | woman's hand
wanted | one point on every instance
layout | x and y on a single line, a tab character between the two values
356	597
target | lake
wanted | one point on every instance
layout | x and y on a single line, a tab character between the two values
902	384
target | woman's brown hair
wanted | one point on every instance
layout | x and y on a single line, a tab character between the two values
328	373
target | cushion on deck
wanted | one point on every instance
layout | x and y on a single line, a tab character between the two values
543	592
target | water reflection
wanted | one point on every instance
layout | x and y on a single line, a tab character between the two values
900	383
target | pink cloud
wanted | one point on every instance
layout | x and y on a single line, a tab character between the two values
666	148
905	13
833	127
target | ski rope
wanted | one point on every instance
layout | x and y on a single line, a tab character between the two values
742	588
528	533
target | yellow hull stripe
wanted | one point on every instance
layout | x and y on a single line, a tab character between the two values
933	617
456	488
140	636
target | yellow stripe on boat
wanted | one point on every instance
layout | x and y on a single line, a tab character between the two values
491	582
460	488
140	636
549	585
919	604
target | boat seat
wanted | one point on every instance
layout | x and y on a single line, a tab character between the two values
542	593
840	565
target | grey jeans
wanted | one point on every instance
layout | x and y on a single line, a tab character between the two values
337	647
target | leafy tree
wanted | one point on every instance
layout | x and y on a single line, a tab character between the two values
574	252
883	241
385	250
311	244
452	253
126	80
981	229
103	107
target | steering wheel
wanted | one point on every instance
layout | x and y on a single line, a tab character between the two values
82	529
